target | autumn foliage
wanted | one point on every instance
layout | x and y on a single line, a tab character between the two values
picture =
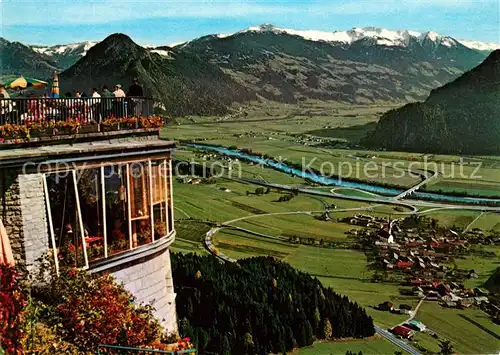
12	303
88	310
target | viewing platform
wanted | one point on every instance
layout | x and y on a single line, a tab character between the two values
88	181
39	121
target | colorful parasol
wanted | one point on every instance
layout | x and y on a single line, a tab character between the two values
55	86
23	83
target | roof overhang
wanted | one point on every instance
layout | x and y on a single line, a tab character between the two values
78	155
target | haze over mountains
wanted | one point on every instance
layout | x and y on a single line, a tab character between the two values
208	74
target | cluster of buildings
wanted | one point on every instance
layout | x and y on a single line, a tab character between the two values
422	258
408	329
368	221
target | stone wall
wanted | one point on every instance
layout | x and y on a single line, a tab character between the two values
150	280
22	209
34	218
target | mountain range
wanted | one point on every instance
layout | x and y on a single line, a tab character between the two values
381	35
65	55
461	117
209	74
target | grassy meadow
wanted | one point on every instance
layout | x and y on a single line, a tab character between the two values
323	134
316	134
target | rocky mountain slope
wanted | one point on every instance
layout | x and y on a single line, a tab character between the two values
64	56
209	74
18	59
181	81
462	116
354	67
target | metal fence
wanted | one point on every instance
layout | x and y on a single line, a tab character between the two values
22	111
116	349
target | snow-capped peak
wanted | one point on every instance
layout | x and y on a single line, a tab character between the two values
480	46
80	48
433	36
382	36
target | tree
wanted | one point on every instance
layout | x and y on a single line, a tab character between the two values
398	352
326	329
307	332
248	344
446	347
225	346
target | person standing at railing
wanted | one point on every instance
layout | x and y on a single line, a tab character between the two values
33	107
107	101
4	92
96	104
120	100
135	91
5	105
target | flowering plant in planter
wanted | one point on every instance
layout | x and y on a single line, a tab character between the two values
89	127
128	122
151	122
67	127
110	124
12	131
90	309
40	129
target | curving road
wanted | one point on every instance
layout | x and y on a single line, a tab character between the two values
416	187
224	258
411	204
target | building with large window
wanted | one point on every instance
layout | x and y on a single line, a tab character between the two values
99	201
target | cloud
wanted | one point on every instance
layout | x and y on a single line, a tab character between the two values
47	12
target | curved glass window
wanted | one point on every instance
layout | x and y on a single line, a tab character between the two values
106	210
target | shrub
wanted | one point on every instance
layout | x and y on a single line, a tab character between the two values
12	302
87	310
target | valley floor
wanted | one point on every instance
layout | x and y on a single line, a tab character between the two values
265	226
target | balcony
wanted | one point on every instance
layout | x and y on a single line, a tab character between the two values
48	120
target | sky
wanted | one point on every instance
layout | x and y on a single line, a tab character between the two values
163	22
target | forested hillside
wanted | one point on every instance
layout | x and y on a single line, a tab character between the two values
258	306
460	117
182	83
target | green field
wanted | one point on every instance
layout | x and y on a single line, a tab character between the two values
189	236
369	347
342	269
466	337
353	192
287	132
312	134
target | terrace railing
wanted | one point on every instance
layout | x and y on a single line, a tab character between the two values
23	111
116	349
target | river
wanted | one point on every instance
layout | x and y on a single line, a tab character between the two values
334	181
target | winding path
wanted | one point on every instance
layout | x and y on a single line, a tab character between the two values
474	221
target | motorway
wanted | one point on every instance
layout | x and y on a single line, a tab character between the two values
416	187
411	204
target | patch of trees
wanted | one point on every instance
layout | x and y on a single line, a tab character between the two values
260	191
322	243
286	197
493	282
259	306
